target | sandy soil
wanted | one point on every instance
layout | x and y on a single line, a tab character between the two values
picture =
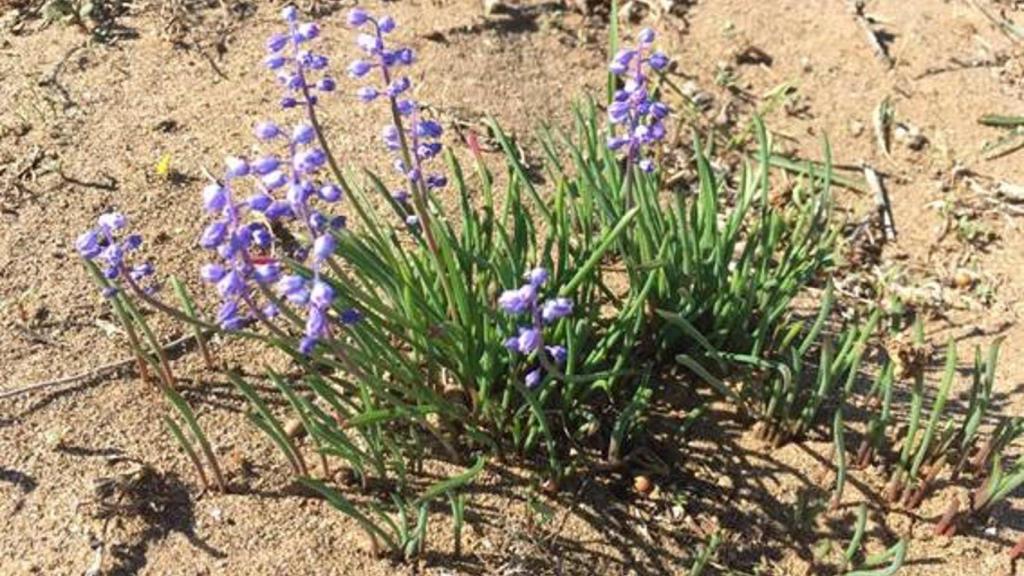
84	124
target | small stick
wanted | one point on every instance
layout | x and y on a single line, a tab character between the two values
93	373
857	7
882	204
883	124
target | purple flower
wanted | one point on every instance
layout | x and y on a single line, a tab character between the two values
558	353
533	378
303	134
141	271
658	61
359	68
274	61
357	17
132	242
232	284
529	340
213	235
633	106
212	272
398	86
274	180
556	308
322	294
276	42
306	345
290	284
519	300
267	273
228	316
367	93
278	210
351	317
323	247
88	244
330	193
236	167
307	31
316	322
537	277
267	131
214	198
112	221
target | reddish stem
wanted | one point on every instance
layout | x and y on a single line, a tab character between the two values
1018	550
947	524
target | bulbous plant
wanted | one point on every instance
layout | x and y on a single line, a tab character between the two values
406	338
422	340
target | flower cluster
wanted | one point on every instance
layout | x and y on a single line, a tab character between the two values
633	106
530	338
282	190
295	67
107	246
415	140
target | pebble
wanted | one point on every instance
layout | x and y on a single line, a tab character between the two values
294	428
642	484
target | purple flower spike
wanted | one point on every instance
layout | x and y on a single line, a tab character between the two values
530	338
633	107
109	250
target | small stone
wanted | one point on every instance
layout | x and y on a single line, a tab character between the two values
642	484
549	487
294	428
963	279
